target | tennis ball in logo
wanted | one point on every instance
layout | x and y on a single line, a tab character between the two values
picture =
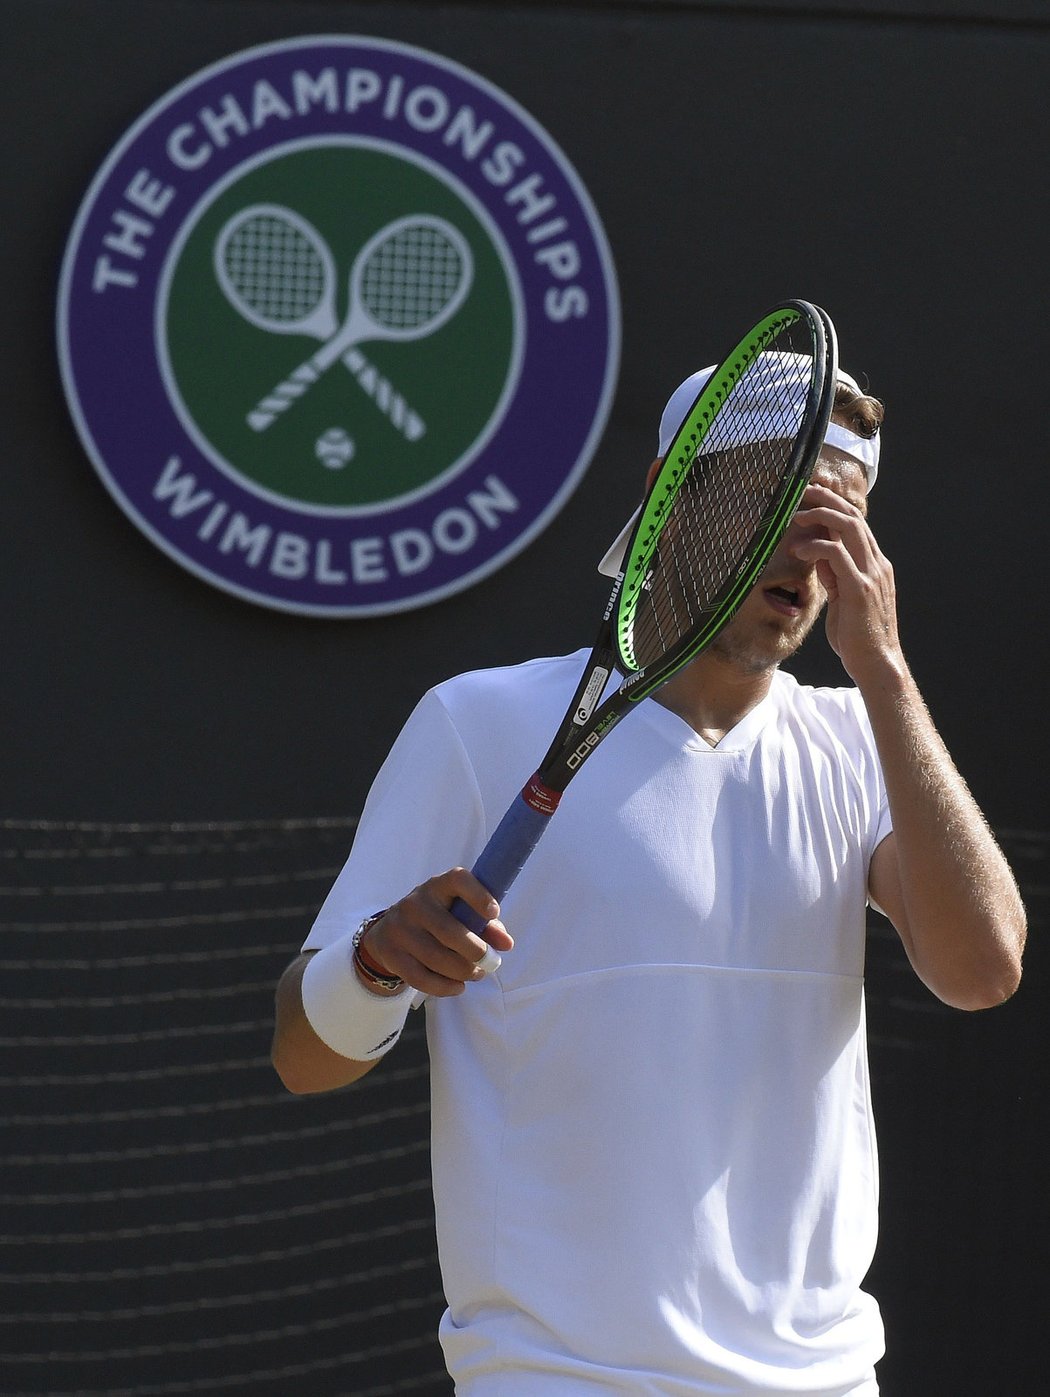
334	448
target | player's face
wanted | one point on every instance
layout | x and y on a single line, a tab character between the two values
787	600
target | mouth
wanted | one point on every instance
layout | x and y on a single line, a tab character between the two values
788	601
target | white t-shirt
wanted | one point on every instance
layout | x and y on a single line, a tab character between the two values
653	1151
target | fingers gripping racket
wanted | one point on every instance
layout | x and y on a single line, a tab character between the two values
720	503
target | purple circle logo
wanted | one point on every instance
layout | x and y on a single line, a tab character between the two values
338	326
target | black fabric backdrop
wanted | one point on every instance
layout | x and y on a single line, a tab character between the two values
885	161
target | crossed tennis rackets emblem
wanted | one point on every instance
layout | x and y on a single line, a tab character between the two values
406	282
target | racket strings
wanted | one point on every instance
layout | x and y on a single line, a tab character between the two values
411	277
275	269
713	515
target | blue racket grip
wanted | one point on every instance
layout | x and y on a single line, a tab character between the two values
499	863
504	856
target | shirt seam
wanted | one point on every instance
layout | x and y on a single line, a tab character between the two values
674	967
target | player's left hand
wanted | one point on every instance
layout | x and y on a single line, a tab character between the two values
833	534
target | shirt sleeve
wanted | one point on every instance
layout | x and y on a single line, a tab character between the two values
422	816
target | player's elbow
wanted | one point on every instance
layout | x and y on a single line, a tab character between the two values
986	994
990	979
1013	933
998	988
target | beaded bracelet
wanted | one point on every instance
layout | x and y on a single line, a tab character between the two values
370	969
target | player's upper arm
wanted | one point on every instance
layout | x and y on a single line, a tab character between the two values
884	886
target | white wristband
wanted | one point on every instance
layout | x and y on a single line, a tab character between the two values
352	1020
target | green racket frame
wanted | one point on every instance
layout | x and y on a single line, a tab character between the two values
678	463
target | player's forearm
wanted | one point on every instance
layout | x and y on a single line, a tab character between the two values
959	912
304	1063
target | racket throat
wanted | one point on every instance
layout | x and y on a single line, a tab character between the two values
573	740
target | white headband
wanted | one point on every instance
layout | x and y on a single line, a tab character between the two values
863	450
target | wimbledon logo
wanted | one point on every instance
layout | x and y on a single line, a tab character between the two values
338	326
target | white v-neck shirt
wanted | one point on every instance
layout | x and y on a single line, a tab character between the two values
653	1151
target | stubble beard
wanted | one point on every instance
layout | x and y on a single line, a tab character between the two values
755	650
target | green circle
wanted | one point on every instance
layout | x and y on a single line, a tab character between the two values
410	409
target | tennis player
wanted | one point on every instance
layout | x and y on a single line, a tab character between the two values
653	1151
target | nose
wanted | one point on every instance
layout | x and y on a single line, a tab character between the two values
797	532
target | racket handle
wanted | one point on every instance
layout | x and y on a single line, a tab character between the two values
503	858
507	852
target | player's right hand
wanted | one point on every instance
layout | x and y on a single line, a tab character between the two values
420	940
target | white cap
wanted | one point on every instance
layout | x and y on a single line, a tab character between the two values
781	419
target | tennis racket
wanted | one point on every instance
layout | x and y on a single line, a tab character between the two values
718	506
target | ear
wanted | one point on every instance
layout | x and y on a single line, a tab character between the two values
650	474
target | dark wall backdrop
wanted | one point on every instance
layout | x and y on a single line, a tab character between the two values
888	171
885	160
